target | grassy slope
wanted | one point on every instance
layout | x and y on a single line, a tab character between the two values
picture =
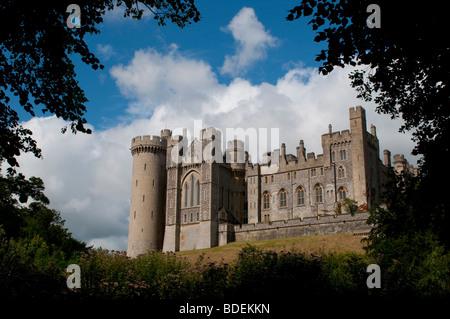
309	244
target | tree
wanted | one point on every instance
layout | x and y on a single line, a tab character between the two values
403	66
36	70
39	220
14	190
18	220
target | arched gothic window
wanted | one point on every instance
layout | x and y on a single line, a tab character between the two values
342	193
266	200
191	190
300	196
283	198
318	191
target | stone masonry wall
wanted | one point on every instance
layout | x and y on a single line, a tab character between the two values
344	223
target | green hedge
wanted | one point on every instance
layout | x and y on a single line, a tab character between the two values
28	269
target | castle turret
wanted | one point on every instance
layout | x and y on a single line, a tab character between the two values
359	156
387	158
301	151
148	194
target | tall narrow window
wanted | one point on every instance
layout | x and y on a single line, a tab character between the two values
283	200
186	189
300	196
266	201
192	190
198	192
319	192
343	155
313	172
198	216
341	172
333	156
288	176
145	166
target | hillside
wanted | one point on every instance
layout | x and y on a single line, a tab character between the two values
309	244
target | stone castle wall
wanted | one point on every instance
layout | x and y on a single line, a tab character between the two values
325	225
165	166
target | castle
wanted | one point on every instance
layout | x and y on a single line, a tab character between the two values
183	201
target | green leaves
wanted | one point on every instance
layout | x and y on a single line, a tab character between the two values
22	188
36	66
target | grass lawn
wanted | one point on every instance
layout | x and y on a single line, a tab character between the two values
319	244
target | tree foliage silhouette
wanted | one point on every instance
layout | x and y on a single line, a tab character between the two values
403	67
36	68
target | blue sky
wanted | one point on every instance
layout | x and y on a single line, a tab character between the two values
209	41
242	65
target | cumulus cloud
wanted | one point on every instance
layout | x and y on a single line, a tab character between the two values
301	104
85	176
252	41
88	177
156	78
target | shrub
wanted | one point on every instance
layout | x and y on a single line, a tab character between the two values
259	273
346	273
28	269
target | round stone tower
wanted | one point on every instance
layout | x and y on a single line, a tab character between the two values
148	194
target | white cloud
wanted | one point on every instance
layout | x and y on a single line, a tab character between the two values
105	51
85	176
252	41
302	103
88	177
158	79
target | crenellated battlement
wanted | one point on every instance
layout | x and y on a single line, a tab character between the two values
357	112
148	143
182	185
337	138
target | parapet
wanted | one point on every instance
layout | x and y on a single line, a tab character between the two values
154	140
338	137
357	112
399	158
148	143
166	133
